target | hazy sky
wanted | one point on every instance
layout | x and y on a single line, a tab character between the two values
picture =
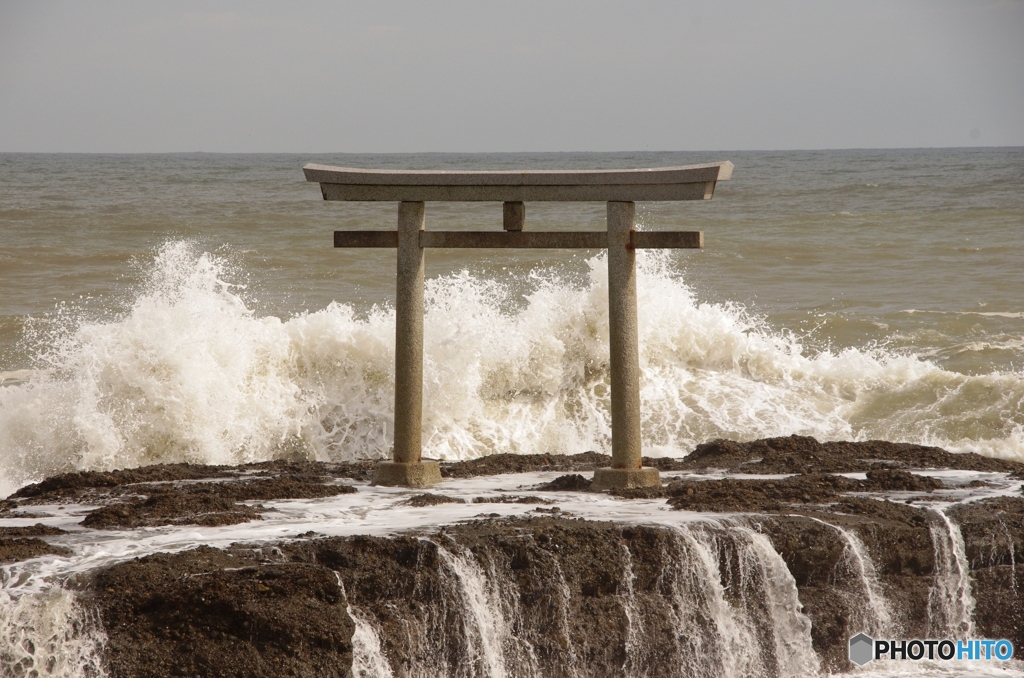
509	76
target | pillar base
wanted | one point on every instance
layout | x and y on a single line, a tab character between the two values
422	473
624	478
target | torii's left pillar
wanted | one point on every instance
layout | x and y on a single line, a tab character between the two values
409	469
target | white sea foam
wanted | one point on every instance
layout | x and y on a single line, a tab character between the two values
49	634
368	660
189	373
950	602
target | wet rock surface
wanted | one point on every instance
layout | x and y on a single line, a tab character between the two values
72	485
547	593
573	482
37	530
730	494
574	585
15	550
567	594
512	499
792	454
428	499
98	486
522	463
831	583
18	543
208	503
802	454
569	590
171	508
208	612
993	533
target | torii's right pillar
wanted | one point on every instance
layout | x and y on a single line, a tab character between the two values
627	468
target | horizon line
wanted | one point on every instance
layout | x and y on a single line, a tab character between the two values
734	150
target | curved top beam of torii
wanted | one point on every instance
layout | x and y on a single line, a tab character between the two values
693	182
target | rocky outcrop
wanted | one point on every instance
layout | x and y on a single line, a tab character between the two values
773	580
22	543
208	612
208	503
993	534
541	596
550	596
803	454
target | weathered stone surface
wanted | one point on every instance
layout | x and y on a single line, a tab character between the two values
993	531
425	473
816	554
730	494
14	550
625	478
87	485
715	171
208	503
572	482
793	454
568	587
511	499
72	484
569	580
18	543
574	582
797	454
212	613
694	182
171	508
494	464
37	530
428	499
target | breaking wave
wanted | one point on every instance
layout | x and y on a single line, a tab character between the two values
191	373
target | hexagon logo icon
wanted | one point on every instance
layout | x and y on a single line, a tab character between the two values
861	649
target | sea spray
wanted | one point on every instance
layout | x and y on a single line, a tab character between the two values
565	634
49	634
634	621
189	372
1011	546
716	600
711	636
368	661
871	611
484	625
518	648
769	596
950	603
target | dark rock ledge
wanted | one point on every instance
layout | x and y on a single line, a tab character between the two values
283	609
22	543
253	610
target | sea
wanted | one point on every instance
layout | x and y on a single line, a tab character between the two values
190	307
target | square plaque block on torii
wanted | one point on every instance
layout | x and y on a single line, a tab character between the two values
620	189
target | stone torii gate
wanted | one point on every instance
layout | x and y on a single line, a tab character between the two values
619	188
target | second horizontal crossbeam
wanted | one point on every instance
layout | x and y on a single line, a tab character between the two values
523	239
